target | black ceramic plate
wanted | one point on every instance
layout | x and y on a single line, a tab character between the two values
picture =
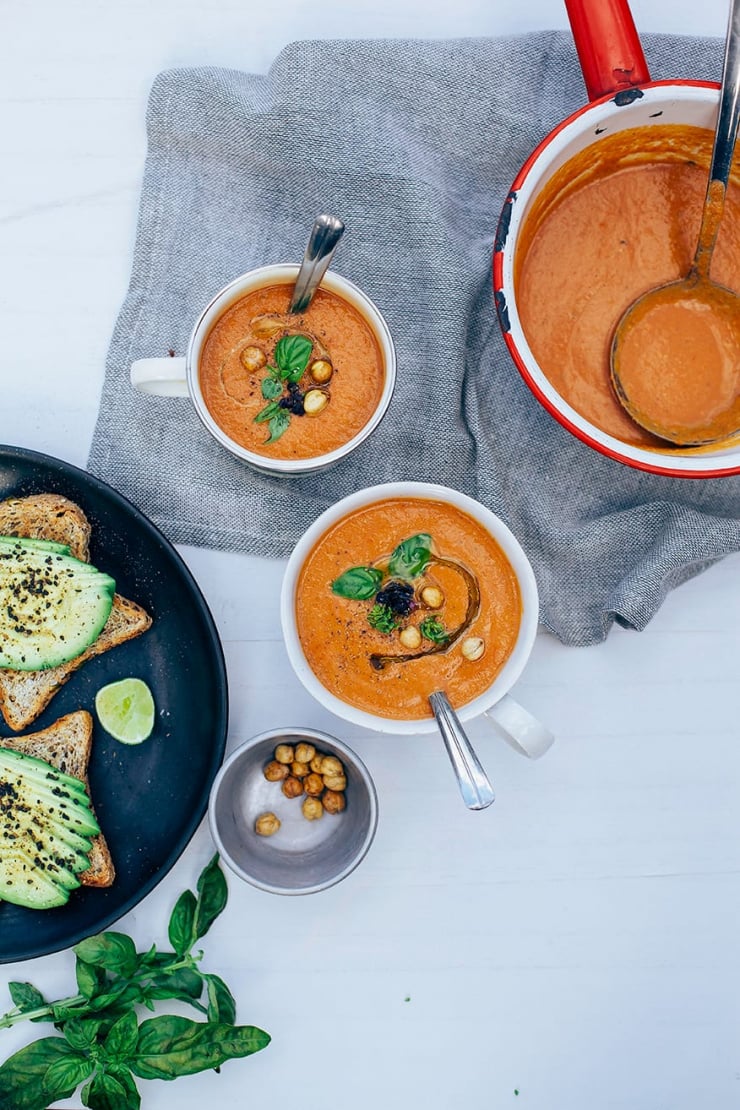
150	798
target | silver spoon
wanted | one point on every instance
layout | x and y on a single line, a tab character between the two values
696	413
322	242
475	786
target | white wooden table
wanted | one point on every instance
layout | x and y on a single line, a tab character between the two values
572	948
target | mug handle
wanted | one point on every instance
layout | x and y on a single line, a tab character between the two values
608	45
165	377
519	728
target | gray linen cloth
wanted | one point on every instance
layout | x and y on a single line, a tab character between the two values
414	144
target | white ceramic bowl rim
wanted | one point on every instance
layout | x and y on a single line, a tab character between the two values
281	273
514	665
634	108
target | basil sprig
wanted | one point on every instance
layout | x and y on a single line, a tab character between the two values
358	583
432	629
102	1044
411	557
292	353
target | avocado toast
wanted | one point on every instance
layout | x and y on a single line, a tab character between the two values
24	694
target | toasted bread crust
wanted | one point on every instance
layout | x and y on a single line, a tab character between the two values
25	694
67	745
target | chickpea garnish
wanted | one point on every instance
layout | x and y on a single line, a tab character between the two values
335	782
253	358
276	772
313	784
315	401
473	648
312	809
333	801
266	824
410	637
432	597
321	371
292	787
330	765
300	770
316	762
265	326
304	753
284	753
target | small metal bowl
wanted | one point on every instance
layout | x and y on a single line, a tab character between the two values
303	856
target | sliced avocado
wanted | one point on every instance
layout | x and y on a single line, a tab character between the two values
53	606
51	547
46	830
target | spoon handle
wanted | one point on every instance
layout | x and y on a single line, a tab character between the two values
475	786
725	135
322	242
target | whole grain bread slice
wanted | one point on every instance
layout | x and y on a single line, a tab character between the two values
25	694
67	745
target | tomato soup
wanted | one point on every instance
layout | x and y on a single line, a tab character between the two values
405	597
291	386
617	220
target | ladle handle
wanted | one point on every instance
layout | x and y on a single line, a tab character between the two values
725	136
322	242
475	786
608	45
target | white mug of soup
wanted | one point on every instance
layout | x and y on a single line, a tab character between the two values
404	589
288	394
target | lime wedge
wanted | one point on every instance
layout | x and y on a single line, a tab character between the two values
126	710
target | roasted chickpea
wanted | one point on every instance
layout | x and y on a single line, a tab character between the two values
335	782
300	770
333	801
266	824
253	358
473	648
316	762
432	597
321	371
410	637
292	787
284	753
313	784
276	772
312	809
266	326
330	765
315	401
304	753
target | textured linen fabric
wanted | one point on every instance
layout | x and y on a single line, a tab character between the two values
414	144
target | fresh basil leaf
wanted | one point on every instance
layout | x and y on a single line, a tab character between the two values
184	983
411	557
122	1037
358	584
111	1092
271	388
267	412
432	629
171	1046
278	424
26	996
212	896
182	922
89	978
22	1084
292	353
112	951
80	1034
63	1076
221	1004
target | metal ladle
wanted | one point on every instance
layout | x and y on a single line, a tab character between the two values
322	242
475	786
653	372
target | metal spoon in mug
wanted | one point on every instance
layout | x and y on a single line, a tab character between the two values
475	786
322	242
669	331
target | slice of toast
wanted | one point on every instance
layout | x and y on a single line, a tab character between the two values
25	694
66	745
